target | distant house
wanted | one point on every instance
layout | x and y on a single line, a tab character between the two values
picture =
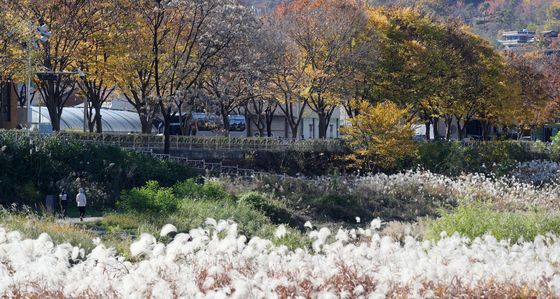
308	127
550	34
521	39
514	39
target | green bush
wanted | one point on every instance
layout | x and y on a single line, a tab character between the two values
151	199
189	189
275	210
191	214
254	199
453	158
475	220
294	162
32	167
341	207
293	239
555	148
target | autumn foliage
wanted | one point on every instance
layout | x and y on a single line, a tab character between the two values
381	134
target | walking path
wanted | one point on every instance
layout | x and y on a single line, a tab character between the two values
77	220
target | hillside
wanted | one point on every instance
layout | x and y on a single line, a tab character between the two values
489	17
486	17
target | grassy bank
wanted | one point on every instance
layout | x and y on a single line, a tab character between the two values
33	167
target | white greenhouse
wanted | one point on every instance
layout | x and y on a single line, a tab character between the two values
113	121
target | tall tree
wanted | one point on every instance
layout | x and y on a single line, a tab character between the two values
97	59
70	22
438	69
324	32
284	77
535	94
181	40
13	34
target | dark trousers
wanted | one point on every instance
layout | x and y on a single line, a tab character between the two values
82	211
64	207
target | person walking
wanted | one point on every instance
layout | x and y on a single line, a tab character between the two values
81	201
63	202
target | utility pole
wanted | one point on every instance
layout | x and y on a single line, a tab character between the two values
28	84
85	115
42	30
86	103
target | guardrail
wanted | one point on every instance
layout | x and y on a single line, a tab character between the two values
147	141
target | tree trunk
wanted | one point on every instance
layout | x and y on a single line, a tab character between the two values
166	134
55	122
261	126
322	125
484	129
225	121
460	130
435	122
52	107
91	125
55	118
146	126
294	131
427	134
269	127
98	123
448	123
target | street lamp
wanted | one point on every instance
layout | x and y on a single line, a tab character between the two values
44	34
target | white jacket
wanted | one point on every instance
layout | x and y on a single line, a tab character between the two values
81	200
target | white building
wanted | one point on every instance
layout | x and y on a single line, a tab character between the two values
515	39
308	127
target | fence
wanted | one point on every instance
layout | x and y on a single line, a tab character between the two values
147	144
209	167
147	141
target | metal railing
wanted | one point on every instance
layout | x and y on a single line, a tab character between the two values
208	167
148	141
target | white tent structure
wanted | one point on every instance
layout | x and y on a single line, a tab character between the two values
113	121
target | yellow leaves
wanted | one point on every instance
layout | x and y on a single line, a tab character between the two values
415	47
377	18
381	135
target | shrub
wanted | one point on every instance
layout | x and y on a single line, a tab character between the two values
341	207
32	167
403	196
191	214
381	136
476	219
293	162
189	189
275	210
254	199
454	158
149	199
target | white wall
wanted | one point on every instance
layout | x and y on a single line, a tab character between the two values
310	125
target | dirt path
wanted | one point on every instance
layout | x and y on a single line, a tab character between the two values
77	220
